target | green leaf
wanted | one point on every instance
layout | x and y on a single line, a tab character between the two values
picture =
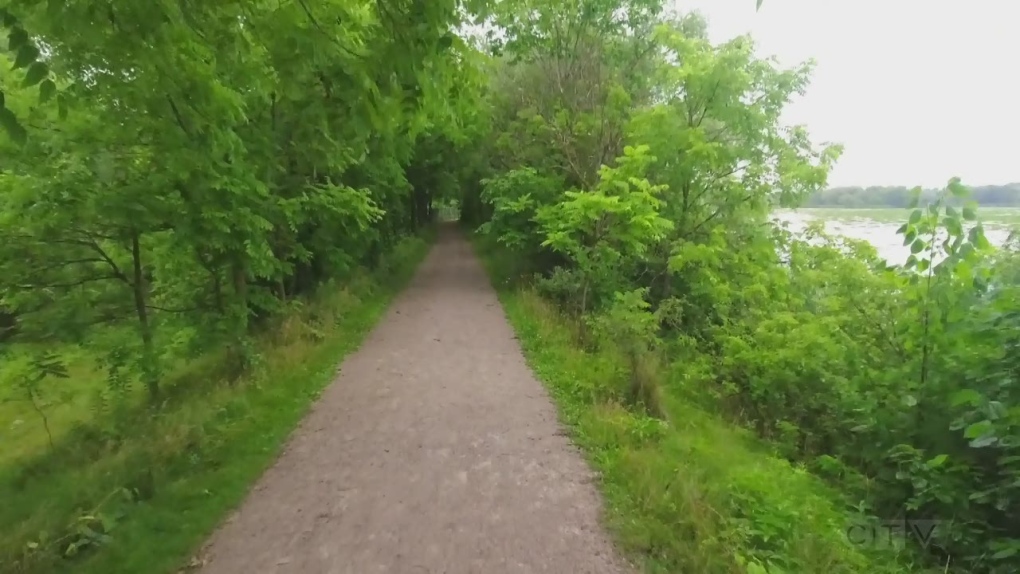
996	410
975	234
969	213
917	246
26	55
978	429
966	250
937	461
1006	552
36	73
915	216
17	38
11	125
46	90
984	441
957	188
951	211
965	396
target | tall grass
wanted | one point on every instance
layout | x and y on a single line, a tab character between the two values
136	490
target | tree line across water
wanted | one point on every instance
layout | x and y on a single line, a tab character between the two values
900	196
197	197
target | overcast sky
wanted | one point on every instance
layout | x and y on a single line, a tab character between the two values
917	91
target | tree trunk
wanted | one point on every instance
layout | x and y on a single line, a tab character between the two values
150	368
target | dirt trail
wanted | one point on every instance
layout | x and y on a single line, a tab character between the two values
434	451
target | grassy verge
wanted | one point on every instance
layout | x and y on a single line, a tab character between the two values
694	494
143	501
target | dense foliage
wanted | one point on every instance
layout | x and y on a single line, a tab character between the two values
635	165
175	176
204	166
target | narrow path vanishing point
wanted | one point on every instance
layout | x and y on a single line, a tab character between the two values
434	451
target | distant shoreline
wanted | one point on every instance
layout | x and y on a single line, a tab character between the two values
881	196
988	214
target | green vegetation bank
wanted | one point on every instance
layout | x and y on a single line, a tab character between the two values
634	166
203	206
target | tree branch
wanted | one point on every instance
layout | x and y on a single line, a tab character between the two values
109	261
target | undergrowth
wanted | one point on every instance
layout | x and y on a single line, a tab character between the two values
138	490
686	492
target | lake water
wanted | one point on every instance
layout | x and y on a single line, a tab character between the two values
882	234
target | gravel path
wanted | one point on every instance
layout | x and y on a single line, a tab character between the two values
434	451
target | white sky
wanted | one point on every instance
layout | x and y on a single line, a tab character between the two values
916	91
